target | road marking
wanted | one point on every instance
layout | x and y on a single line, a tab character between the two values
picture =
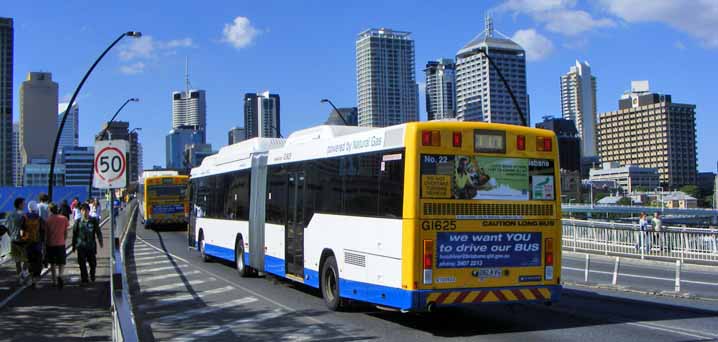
243	288
671	330
641	276
165	276
152	263
205	310
172	300
214	330
151	270
145	253
149	258
175	285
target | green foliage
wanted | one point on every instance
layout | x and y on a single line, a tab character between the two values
640	189
624	201
691	190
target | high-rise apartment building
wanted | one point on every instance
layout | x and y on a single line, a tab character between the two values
480	93
38	116
16	156
6	83
650	130
78	164
262	115
134	167
440	89
578	103
70	135
235	135
387	93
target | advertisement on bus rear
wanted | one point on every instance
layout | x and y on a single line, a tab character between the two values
488	249
486	178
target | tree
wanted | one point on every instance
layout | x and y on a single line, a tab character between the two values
640	189
691	190
625	201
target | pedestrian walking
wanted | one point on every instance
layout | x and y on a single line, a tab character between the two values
84	232
644	238
76	215
57	225
64	209
32	232
17	246
43	206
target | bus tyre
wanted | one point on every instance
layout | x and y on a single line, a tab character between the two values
244	270
205	257
330	284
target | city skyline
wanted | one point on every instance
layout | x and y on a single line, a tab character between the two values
683	52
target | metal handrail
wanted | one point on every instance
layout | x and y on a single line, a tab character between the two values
125	328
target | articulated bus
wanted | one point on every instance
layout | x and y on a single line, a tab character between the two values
410	217
164	200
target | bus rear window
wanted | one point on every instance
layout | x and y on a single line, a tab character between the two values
486	178
167	190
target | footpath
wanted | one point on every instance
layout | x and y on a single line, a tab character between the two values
46	313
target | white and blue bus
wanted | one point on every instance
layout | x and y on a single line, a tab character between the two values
410	217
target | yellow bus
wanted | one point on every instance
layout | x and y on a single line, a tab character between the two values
412	217
164	200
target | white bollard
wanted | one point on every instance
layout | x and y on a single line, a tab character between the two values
678	276
615	271
585	272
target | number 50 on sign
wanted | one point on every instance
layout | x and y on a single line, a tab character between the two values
110	164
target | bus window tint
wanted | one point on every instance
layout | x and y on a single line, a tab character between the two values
276	194
236	203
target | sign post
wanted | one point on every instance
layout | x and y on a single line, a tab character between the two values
109	172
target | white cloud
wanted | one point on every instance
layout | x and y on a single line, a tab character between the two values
698	18
679	45
537	46
142	47
558	16
239	33
133	69
185	42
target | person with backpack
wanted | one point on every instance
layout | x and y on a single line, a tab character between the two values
17	247
57	225
84	232
32	232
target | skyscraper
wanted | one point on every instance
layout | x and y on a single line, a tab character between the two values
650	130
70	135
38	116
480	93
578	103
262	115
16	156
387	93
440	89
175	143
6	82
189	108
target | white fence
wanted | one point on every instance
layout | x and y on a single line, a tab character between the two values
671	243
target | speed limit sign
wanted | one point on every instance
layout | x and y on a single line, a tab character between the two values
110	164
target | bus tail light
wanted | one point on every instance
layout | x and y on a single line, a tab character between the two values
457	139
428	261
430	138
543	144
548	259
521	142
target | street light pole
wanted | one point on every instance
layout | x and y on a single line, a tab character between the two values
661	193
51	175
336	110
109	133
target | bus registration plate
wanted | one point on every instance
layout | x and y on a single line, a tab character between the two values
487	273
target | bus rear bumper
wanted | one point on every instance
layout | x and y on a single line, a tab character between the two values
428	299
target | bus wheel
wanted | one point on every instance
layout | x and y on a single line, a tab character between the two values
205	257
244	270
330	284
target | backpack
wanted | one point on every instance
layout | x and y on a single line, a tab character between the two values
30	229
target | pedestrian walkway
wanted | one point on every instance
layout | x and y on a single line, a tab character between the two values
48	314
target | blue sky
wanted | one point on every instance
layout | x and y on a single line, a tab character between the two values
304	50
